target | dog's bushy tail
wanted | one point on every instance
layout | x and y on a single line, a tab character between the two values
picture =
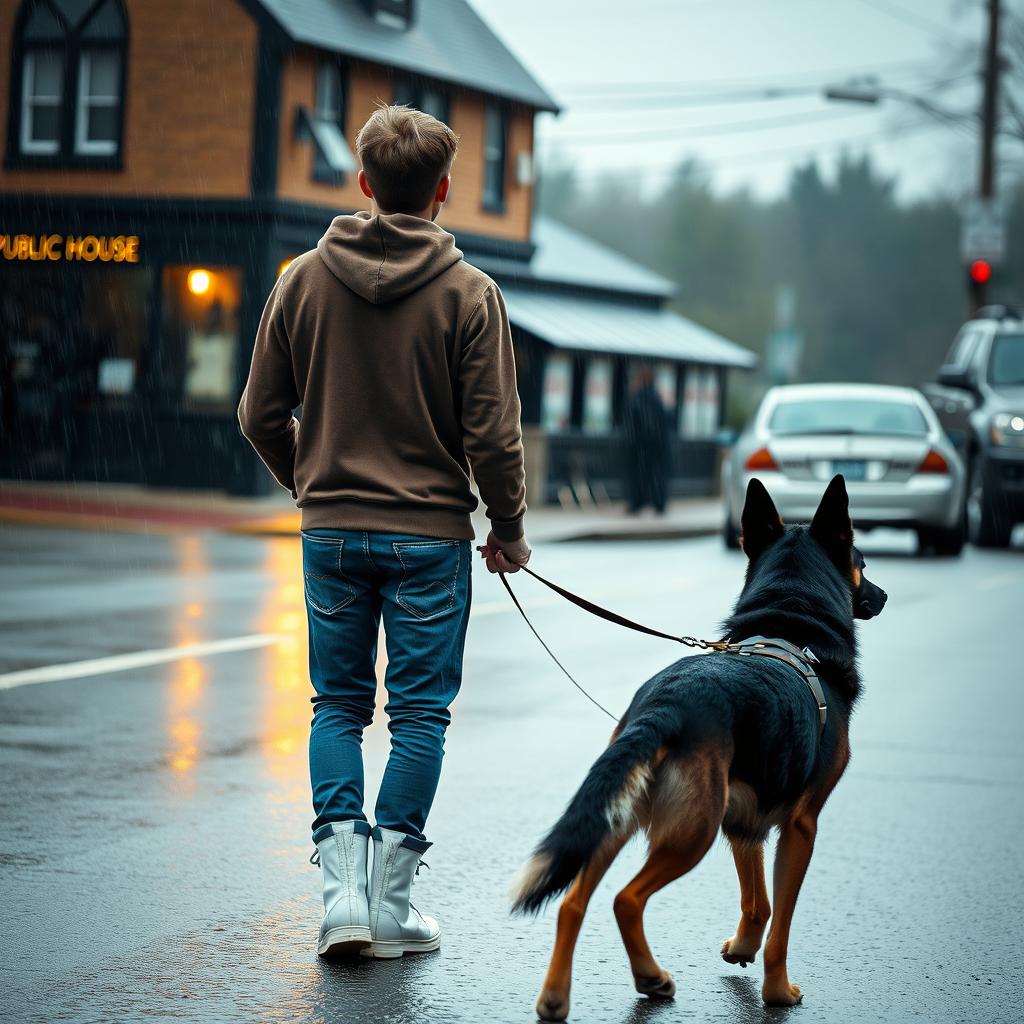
604	805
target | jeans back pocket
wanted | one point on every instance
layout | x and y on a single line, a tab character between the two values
327	587
430	575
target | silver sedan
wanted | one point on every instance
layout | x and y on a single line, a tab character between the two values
900	468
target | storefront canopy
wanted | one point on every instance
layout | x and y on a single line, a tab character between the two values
601	325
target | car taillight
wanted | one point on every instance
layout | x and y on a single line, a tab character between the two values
933	462
761	459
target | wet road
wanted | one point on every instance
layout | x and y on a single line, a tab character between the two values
154	819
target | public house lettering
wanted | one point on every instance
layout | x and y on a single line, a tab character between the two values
68	248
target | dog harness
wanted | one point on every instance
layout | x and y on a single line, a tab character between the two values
803	660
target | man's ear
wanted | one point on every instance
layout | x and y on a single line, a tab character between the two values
760	524
831	526
442	189
364	184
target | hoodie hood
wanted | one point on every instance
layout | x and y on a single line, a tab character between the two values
386	256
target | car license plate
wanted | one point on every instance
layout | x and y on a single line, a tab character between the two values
852	469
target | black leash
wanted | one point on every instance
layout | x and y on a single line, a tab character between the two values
601	613
619	620
802	660
551	653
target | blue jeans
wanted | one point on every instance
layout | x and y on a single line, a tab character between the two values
421	587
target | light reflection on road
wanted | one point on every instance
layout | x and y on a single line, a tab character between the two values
285	677
188	677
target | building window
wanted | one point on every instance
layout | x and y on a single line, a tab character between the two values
495	131
99	103
392	13
421	95
68	106
556	398
199	334
597	396
699	414
333	158
42	95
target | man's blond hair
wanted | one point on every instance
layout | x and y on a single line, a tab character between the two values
405	154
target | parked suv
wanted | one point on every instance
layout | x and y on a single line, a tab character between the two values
979	399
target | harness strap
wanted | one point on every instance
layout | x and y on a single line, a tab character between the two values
801	660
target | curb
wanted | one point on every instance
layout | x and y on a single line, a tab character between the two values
635	536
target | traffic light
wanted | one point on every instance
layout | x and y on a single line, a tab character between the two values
979	274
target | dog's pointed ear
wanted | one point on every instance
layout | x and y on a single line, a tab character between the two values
760	524
831	526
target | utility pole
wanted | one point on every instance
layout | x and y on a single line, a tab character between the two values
990	105
989	118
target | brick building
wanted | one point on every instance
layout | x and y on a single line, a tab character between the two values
163	162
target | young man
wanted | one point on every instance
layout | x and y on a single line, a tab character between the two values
400	355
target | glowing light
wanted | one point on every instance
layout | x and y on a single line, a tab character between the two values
198	282
761	459
285	264
981	271
1017	423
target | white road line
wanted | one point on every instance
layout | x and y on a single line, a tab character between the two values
137	659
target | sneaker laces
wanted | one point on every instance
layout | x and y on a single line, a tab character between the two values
314	858
422	864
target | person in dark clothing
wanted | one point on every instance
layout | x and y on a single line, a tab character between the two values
647	431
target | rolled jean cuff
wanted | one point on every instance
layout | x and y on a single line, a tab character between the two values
360	827
409	842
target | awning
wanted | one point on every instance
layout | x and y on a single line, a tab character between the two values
601	325
329	140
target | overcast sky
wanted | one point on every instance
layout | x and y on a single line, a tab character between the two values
645	83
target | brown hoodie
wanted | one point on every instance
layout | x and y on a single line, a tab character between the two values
400	355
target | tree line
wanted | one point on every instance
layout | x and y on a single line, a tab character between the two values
880	285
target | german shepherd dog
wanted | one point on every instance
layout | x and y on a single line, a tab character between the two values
722	741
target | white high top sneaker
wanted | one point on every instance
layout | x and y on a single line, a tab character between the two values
343	853
397	926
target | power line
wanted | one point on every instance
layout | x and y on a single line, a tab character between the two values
616	88
663	172
706	130
894	10
638	104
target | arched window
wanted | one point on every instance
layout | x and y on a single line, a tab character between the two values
68	74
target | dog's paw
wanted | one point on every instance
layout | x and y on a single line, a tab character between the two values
781	995
551	1006
659	987
735	951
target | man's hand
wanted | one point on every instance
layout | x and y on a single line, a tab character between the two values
504	555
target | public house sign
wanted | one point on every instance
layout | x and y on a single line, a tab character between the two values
69	248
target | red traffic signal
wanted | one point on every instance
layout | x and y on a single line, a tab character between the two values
980	271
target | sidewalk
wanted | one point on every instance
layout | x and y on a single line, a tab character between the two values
126	508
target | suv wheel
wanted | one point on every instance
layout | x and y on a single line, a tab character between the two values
946	543
987	524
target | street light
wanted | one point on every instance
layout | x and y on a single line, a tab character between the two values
871	91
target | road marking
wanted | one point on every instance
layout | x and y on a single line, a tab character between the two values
137	659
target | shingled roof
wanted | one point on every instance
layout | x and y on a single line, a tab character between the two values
447	40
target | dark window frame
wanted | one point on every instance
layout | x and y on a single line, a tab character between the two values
321	172
495	202
396	14
74	46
